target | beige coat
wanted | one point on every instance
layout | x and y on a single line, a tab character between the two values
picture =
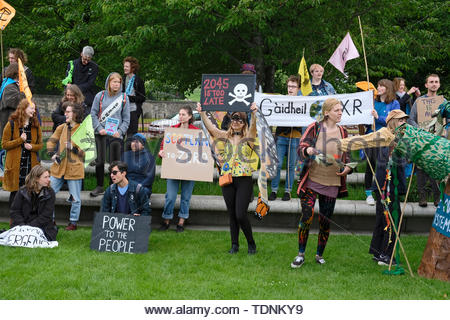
72	165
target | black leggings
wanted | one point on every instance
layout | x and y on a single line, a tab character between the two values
237	198
115	152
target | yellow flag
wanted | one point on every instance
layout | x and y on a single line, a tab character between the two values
23	82
7	12
305	83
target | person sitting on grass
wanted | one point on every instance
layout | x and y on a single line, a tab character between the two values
124	196
34	203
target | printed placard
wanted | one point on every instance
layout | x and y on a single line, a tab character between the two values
425	108
187	155
227	92
301	111
117	232
111	125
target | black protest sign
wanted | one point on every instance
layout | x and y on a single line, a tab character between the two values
117	232
227	92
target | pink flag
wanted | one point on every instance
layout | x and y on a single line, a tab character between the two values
344	52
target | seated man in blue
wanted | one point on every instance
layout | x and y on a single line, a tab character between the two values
141	163
124	196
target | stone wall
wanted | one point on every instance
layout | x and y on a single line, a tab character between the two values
152	109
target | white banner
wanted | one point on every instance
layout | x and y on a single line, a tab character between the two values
26	236
300	111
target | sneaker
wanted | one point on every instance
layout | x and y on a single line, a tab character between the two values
370	200
286	196
320	260
272	196
298	261
71	227
234	249
252	249
180	228
423	204
164	226
384	260
97	191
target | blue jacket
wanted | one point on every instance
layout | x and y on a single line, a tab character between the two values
141	167
383	110
329	89
138	201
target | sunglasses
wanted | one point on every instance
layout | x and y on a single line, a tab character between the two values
236	119
114	172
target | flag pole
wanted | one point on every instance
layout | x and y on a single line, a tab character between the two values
365	63
1	44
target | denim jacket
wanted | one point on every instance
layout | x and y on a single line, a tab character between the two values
138	201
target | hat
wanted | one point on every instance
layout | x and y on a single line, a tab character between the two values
141	138
363	86
396	114
248	67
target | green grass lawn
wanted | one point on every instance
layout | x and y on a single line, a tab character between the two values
196	265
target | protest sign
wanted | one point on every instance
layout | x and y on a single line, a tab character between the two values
187	155
117	232
227	92
27	237
300	111
425	108
111	126
441	221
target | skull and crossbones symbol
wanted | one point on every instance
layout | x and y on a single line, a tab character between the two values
240	94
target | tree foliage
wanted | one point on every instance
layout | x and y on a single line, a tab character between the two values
178	40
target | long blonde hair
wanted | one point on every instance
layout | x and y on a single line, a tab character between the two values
243	116
327	106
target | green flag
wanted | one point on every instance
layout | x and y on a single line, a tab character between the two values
85	139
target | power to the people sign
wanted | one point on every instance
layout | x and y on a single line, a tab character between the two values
187	155
227	92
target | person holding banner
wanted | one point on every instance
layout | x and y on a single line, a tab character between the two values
325	182
237	168
384	103
34	203
73	94
110	119
22	139
10	95
68	159
319	86
432	83
186	119
287	140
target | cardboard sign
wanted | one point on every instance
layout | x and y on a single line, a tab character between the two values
441	221
117	232
426	107
301	111
187	155
7	12
227	92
